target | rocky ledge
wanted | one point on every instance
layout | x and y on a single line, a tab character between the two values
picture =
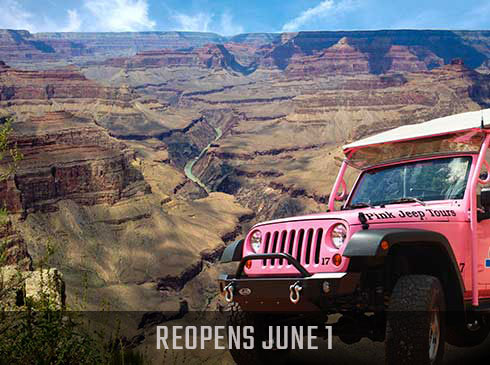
66	83
213	56
69	158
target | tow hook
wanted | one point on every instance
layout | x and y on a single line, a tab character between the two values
294	290
229	292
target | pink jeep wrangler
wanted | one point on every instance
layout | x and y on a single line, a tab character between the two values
406	259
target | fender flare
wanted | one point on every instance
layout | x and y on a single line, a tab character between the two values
366	243
233	252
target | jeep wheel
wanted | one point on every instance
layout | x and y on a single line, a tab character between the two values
256	355
415	329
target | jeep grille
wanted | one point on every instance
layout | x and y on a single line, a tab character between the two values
302	244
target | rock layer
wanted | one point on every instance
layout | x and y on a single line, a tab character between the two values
67	158
386	51
49	84
210	56
341	58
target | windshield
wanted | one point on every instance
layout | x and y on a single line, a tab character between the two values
437	179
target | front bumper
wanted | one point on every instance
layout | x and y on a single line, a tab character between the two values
319	292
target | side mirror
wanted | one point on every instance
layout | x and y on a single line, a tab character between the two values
485	198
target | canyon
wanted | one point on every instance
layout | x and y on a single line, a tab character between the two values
145	154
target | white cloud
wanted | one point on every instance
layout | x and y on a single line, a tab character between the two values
113	16
95	15
74	22
14	16
327	8
119	15
193	23
227	26
207	22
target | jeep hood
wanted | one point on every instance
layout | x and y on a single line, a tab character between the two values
447	211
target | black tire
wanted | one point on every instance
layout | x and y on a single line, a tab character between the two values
461	336
257	355
416	303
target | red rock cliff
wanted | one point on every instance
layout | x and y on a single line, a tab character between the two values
64	83
69	158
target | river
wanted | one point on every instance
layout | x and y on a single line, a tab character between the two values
190	164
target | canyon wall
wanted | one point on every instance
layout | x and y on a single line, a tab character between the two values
365	51
69	158
101	180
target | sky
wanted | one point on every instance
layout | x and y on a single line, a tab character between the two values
229	17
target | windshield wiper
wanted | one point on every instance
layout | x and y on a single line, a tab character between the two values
407	199
359	205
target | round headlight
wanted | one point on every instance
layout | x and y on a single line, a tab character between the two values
338	235
255	241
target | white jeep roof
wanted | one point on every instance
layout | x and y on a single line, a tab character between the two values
435	127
